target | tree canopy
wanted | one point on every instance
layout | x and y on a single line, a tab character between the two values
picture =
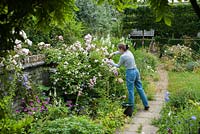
15	14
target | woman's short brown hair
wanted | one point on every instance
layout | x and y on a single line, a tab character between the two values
123	46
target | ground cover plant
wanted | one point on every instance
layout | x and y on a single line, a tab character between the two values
181	111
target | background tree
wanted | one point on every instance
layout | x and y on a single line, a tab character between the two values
97	19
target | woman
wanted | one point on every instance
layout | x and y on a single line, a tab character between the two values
132	74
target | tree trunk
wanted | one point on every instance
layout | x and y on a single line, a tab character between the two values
195	7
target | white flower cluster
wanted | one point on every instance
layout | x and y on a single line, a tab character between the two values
42	45
88	41
76	46
106	41
60	37
21	51
18	48
10	63
24	36
89	47
105	50
92	82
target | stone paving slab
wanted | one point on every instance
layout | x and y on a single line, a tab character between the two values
149	115
142	120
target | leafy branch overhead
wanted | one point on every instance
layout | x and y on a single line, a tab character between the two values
162	8
14	15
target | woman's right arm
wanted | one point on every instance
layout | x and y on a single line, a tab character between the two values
114	53
117	52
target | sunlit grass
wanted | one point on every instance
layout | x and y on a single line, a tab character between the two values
183	80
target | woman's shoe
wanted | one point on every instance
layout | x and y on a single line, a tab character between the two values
146	108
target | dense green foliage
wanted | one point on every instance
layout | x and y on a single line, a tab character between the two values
181	58
70	31
185	21
85	93
50	14
97	19
72	125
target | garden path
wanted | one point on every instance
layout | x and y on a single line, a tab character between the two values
141	122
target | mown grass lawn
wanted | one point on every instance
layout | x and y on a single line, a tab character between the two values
183	80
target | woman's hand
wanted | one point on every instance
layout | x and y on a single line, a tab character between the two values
109	61
111	55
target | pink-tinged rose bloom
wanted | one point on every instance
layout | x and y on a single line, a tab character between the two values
115	72
79	93
60	37
120	80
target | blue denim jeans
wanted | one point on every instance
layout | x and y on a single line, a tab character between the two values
133	79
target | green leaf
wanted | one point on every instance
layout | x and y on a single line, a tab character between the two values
159	18
134	6
167	21
100	2
43	88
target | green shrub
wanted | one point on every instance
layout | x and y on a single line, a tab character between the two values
53	56
110	114
53	112
145	62
179	98
11	126
69	125
179	55
190	66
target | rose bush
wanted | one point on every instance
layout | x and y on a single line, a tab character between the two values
82	70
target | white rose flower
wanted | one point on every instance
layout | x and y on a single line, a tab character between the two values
29	42
47	45
16	56
18	42
14	62
41	44
23	34
60	37
25	51
66	63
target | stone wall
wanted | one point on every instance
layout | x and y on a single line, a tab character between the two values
34	68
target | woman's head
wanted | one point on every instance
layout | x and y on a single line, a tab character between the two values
122	47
